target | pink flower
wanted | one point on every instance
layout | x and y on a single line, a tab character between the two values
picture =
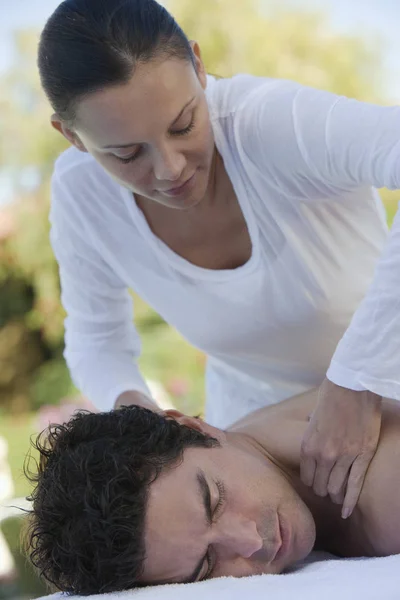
178	387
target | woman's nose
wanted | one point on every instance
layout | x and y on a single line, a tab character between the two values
238	537
168	164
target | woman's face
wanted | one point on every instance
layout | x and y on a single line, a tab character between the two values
153	133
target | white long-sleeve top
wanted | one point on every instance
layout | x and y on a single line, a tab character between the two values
304	164
368	355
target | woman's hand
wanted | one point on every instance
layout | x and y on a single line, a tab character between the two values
340	442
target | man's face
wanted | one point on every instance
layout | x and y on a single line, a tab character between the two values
225	511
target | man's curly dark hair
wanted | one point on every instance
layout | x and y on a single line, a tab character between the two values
86	528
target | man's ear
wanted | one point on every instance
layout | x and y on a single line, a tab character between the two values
182	419
196	423
70	135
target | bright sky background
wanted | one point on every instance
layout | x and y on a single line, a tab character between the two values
366	17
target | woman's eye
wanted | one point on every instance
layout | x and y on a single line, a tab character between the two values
129	159
185	131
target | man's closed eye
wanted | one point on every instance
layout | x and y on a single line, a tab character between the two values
210	559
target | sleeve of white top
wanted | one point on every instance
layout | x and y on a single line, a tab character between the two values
101	343
368	355
313	144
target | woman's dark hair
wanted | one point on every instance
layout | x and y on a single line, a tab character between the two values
87	45
85	532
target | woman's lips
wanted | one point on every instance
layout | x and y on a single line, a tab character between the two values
179	190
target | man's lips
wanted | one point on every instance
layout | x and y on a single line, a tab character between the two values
284	534
278	545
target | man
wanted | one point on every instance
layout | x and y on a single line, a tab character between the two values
134	497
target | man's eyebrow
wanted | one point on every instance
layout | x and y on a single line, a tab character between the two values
135	143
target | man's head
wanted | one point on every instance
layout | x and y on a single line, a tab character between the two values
127	86
131	498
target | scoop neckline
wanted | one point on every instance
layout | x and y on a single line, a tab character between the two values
182	264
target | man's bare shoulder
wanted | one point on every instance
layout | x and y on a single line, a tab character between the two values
280	428
380	498
298	408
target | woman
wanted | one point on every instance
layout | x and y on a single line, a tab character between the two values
241	209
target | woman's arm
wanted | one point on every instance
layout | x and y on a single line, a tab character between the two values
313	144
368	356
102	344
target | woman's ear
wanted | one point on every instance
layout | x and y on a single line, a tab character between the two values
200	68
70	135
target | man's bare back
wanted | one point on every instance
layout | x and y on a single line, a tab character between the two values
374	527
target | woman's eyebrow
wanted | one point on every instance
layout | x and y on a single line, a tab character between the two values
135	143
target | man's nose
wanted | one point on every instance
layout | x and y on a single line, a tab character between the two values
238	537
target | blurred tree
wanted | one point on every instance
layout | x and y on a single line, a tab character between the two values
274	43
281	42
26	138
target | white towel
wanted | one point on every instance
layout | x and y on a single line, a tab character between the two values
350	579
